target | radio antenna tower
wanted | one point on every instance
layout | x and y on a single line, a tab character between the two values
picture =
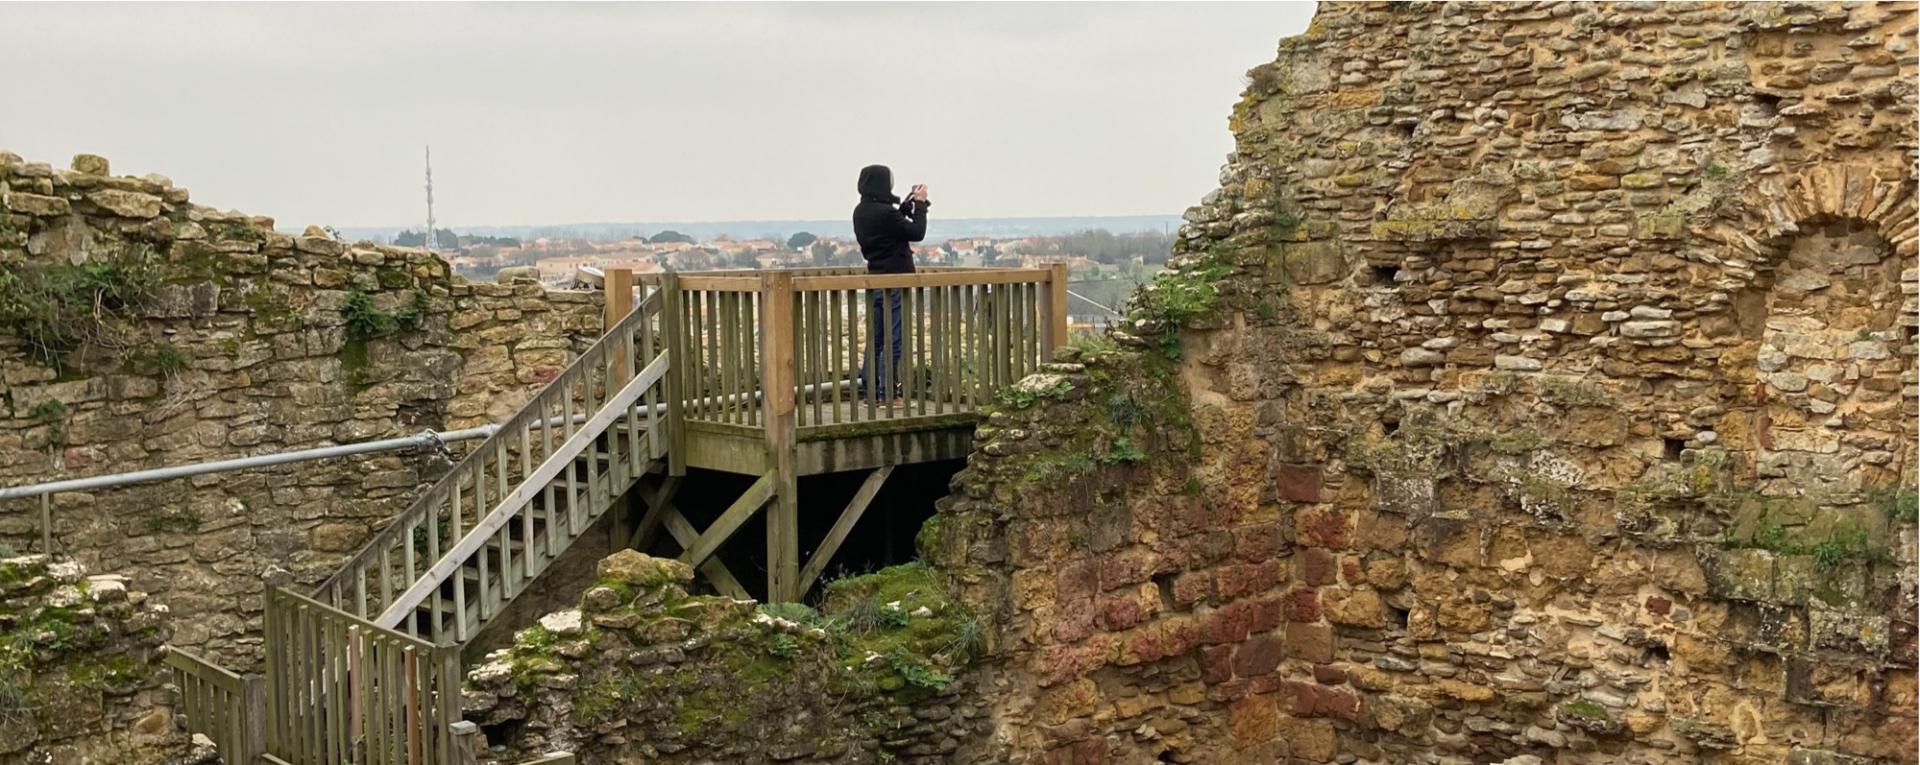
431	239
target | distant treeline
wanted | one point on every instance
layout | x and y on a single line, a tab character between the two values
446	239
1103	246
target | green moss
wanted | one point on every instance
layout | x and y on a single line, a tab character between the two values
242	232
1571	392
111	674
927	539
271	308
1521	440
1021	396
1900	504
1585	708
173	521
874	615
391	278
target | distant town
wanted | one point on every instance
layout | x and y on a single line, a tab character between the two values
1104	267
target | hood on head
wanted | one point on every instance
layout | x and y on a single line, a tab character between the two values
876	181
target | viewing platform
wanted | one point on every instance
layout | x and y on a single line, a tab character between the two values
769	361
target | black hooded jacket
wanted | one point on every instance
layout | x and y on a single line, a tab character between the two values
884	225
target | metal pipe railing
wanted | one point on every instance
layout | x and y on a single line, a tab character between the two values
426	439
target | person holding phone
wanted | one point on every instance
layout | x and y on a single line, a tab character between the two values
886	227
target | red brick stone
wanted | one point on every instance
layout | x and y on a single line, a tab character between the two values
1229	623
1317	566
1141	646
1180	634
1216	664
1266	614
1092	751
1658	605
1312	642
1297	483
1192	587
1302	604
1327	674
1061	663
1243	579
1120	612
1258	656
1073	620
1269	683
1309	700
1078	581
1352	571
1231	690
1258	542
1127	567
1323	527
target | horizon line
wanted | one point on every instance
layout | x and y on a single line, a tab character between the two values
759	220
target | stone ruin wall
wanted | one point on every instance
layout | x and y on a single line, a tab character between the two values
241	348
1544	393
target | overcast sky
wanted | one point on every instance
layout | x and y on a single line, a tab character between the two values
560	113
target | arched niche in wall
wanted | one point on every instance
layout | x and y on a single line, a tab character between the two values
1830	407
1829	360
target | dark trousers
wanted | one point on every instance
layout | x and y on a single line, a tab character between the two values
880	370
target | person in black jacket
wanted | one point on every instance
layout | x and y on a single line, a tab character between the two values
886	227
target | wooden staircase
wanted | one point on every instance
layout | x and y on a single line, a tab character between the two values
454	559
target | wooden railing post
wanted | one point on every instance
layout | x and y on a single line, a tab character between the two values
619	303
673	322
466	743
253	722
777	402
1053	304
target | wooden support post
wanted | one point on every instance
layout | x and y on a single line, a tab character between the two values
776	384
1054	311
838	534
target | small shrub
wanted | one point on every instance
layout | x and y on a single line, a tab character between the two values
1123	450
50	409
783	646
168	359
363	320
59	307
917	673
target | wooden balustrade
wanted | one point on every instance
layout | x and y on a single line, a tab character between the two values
342	689
225	707
964	335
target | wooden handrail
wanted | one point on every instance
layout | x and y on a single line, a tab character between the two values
561	458
345	589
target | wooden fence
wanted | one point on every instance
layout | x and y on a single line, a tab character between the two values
221	705
341	689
